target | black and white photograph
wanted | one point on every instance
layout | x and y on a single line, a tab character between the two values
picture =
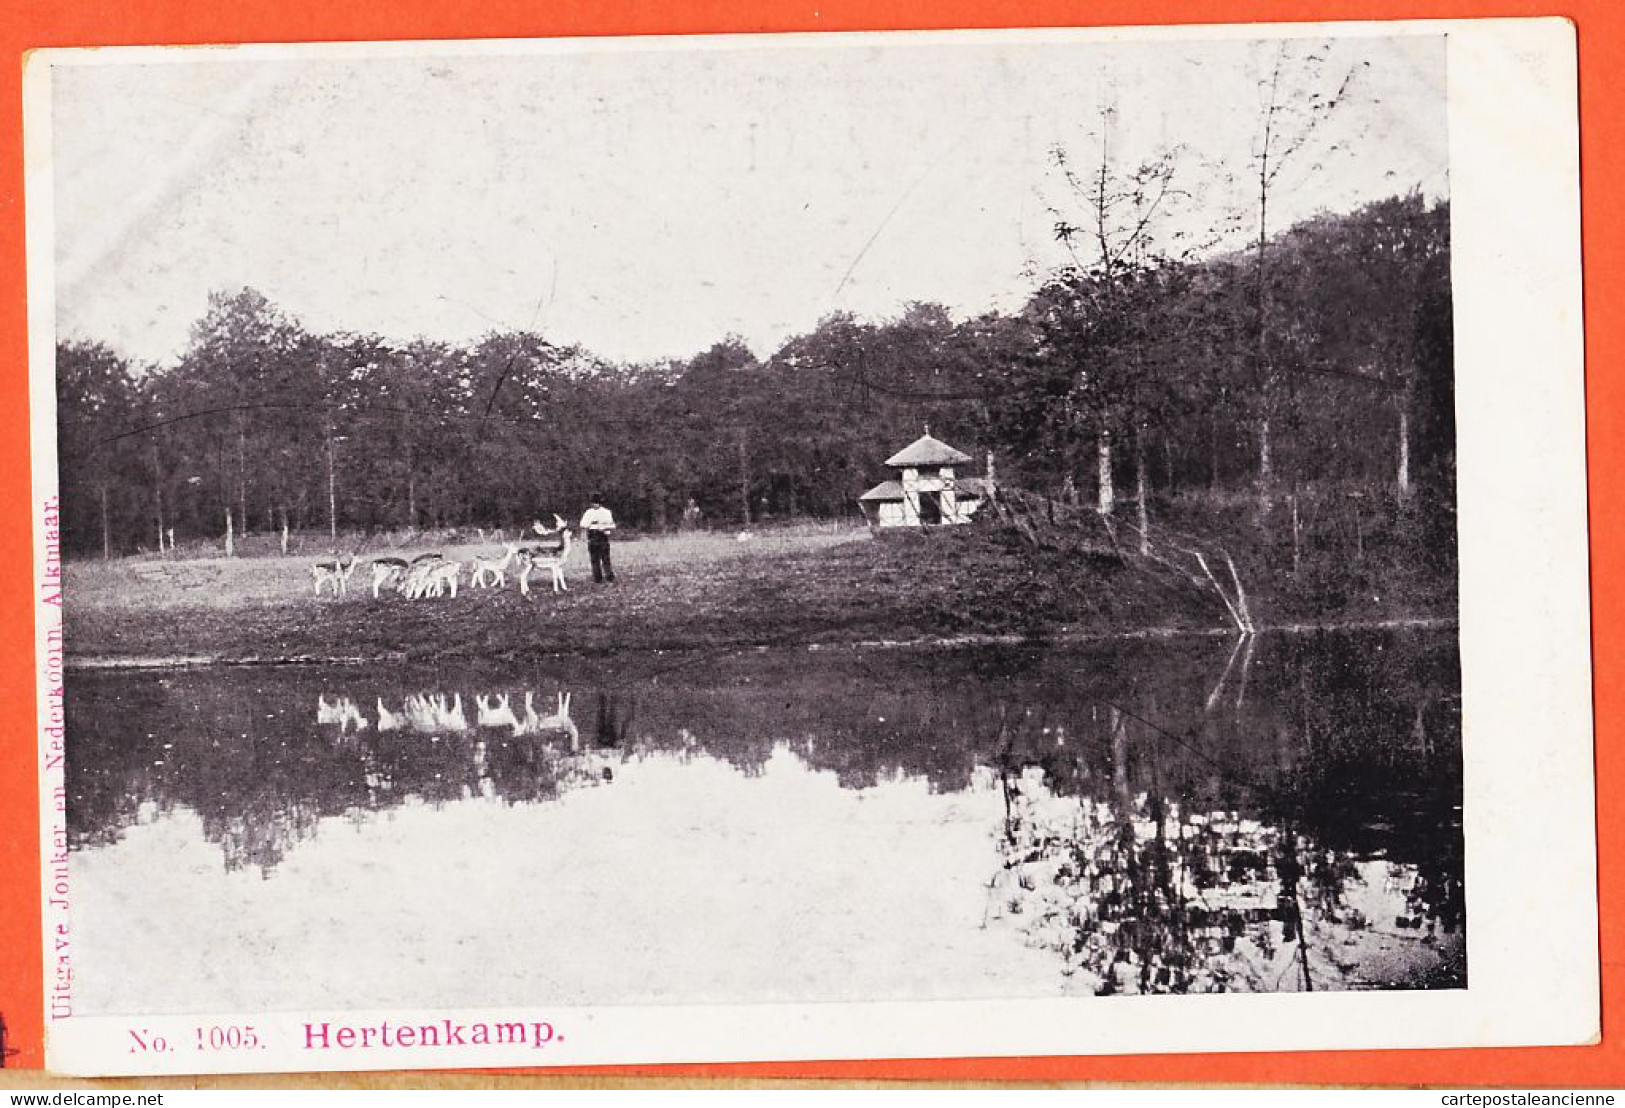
736	522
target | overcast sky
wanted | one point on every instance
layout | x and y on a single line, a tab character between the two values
646	203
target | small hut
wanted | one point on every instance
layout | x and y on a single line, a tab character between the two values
925	492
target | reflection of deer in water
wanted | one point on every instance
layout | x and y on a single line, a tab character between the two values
559	721
433	715
450	715
341	711
494	711
388	720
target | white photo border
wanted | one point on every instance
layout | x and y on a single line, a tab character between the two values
1529	808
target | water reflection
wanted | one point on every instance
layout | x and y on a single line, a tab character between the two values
1141	896
1282	813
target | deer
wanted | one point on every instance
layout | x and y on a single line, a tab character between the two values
333	572
430	575
387	571
533	558
444	575
414	578
496	569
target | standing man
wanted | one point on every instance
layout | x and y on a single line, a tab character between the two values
598	522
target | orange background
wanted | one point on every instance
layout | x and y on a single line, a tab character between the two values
1601	24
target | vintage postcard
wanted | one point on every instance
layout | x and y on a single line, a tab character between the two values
809	547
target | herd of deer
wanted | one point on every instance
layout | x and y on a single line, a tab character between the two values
435	574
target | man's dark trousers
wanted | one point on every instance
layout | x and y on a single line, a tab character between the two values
598	551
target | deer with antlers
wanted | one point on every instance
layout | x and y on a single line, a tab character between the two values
533	559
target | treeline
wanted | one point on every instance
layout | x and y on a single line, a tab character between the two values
1323	362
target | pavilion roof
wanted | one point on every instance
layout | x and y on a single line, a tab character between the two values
927	451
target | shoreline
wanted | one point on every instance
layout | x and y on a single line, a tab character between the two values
164	663
796	590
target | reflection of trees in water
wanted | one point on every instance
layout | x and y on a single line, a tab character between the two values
138	751
260	837
113	767
1299	840
1353	742
529	769
1144	896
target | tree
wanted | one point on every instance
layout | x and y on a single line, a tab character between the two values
1358	289
1097	318
1137	363
97	401
1295	104
716	387
244	392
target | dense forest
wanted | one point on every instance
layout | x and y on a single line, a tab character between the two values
1313	368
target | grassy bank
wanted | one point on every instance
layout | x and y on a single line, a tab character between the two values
797	585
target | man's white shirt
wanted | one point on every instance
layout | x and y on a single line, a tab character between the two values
597	519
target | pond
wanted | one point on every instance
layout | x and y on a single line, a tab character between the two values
1190	815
